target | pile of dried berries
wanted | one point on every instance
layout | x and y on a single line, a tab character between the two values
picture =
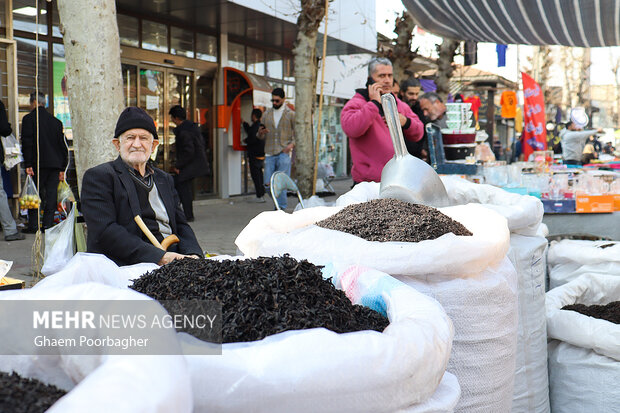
609	312
393	220
262	296
20	395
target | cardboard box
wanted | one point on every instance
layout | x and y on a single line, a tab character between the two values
595	203
559	206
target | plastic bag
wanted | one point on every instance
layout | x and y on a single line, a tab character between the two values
65	198
29	199
59	245
12	151
483	153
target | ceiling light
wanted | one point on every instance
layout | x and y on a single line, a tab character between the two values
28	11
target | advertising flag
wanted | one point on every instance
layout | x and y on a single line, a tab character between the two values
534	129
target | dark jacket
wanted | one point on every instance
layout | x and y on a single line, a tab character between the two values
415	148
5	129
191	159
110	203
255	145
54	153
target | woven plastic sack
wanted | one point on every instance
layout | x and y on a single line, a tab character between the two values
488	295
528	251
568	259
102	383
584	352
318	370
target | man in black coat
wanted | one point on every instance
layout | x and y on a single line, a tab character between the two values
52	159
256	152
113	193
191	160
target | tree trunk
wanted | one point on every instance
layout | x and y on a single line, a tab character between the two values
402	55
94	81
447	50
583	84
306	64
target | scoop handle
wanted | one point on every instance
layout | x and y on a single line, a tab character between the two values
391	117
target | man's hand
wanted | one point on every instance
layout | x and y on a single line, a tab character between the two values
61	176
374	92
171	256
402	118
176	170
29	171
288	148
262	131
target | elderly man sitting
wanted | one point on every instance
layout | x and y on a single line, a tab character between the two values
115	192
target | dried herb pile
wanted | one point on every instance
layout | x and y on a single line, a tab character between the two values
20	395
393	220
262	296
609	312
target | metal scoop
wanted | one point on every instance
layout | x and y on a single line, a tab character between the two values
405	177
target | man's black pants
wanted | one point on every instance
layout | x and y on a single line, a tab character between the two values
256	171
48	192
185	189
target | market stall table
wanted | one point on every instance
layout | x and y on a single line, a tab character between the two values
604	225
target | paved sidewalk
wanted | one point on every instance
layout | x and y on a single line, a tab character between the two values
217	224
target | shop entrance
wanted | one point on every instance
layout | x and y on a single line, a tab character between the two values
156	89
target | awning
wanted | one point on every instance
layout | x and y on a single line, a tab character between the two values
580	23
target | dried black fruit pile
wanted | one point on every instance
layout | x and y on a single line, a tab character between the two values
20	395
262	296
393	220
609	312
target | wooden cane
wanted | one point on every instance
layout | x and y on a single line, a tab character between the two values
169	240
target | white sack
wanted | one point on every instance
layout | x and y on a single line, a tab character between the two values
318	370
276	233
87	267
483	309
442	401
531	388
584	355
103	383
527	254
568	259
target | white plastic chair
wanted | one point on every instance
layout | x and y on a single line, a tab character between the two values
280	181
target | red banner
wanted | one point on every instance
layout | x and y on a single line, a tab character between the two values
534	123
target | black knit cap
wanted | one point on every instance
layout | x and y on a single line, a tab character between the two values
134	117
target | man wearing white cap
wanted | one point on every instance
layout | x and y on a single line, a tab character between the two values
574	137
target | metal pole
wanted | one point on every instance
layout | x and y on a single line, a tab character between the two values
318	132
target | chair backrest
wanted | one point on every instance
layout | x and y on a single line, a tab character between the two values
280	181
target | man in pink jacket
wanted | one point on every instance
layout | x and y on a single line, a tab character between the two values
363	121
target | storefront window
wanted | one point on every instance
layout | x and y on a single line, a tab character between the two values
154	36
289	69
236	56
61	101
274	65
26	59
24	16
256	61
181	42
206	47
332	149
56	21
289	90
128	30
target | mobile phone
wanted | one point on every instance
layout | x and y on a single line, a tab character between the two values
369	81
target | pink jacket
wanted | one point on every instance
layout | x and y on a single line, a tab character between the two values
369	138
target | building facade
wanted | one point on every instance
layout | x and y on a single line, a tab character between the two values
176	52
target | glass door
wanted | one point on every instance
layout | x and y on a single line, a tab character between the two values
156	89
